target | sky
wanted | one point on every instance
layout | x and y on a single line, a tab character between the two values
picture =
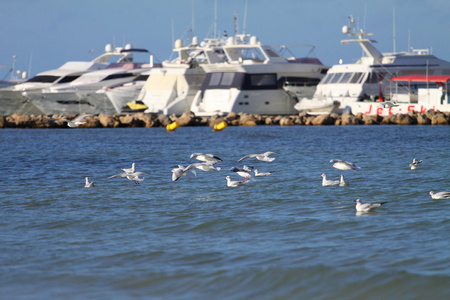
44	34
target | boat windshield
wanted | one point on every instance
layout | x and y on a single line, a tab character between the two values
44	78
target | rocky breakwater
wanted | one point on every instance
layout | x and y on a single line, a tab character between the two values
232	119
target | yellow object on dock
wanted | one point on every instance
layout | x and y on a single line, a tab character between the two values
172	126
219	127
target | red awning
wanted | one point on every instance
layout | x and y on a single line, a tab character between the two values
423	78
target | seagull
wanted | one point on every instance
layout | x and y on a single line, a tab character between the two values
74	123
179	171
130	176
244	172
231	183
263	156
205	157
439	195
343	165
343	182
387	104
366	207
258	174
88	184
130	170
328	182
414	164
205	166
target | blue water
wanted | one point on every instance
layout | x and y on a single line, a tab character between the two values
278	237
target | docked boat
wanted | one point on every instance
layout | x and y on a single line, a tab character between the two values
347	86
256	79
14	99
91	92
414	92
171	89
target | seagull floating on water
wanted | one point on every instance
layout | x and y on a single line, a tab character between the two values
74	123
232	183
343	165
328	182
366	207
262	156
130	176
387	104
88	183
205	157
439	195
414	164
342	181
259	174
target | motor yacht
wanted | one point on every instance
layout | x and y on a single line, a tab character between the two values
171	88
351	86
256	79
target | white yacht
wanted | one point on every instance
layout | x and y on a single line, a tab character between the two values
358	86
256	79
87	93
14	99
171	89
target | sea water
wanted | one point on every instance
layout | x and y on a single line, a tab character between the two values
284	236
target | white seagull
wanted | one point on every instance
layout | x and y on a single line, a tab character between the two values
88	184
328	182
343	182
179	171
205	157
343	165
130	176
262	156
366	207
439	195
205	166
414	164
130	170
259	174
245	171
387	104
74	123
231	183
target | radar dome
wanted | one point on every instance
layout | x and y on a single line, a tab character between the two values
230	41
345	29
195	41
253	40
128	46
108	48
178	44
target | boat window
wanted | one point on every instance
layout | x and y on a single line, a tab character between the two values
43	79
328	78
263	81
69	78
227	79
215	79
336	78
118	76
141	78
298	81
345	77
356	77
375	77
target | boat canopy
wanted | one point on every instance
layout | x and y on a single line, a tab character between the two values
423	78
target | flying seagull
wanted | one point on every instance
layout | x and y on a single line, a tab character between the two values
343	165
74	123
88	183
262	156
414	164
439	195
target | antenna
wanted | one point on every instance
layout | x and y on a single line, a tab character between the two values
192	25
393	28
215	19
245	17
236	25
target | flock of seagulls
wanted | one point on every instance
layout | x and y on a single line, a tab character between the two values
208	161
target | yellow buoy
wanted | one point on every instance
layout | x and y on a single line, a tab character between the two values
219	127
172	126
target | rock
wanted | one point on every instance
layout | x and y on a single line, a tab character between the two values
108	121
391	119
2	122
422	119
164	120
350	119
286	121
247	120
405	120
269	121
186	119
439	119
323	120
370	119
